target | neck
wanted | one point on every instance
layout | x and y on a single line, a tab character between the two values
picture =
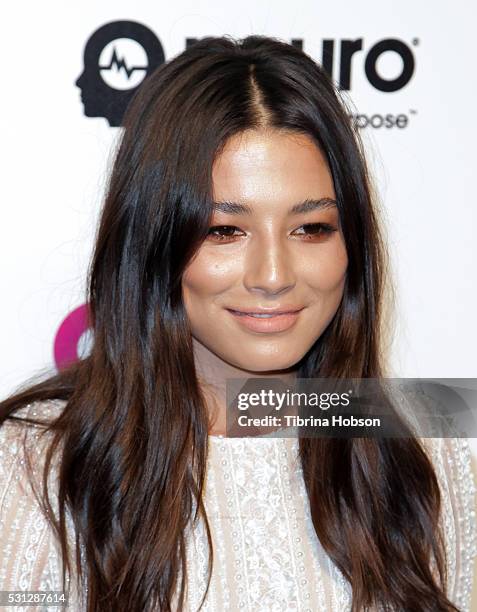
213	371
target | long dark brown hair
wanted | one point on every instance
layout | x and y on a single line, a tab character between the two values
134	428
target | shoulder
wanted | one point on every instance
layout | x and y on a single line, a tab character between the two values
23	444
44	410
452	461
29	557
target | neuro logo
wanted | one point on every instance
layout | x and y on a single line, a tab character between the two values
349	48
117	58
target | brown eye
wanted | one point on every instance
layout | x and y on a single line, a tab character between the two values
221	233
317	230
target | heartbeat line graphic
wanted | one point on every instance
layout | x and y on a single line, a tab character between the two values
120	64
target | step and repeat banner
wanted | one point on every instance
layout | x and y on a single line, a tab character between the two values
69	72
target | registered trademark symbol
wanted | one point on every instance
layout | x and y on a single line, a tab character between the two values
415	41
413	112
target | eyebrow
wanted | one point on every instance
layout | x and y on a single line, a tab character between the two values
308	205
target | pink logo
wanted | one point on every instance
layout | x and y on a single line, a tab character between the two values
71	336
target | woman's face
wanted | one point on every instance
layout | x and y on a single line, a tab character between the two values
264	256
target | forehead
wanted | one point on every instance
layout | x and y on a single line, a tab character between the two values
262	165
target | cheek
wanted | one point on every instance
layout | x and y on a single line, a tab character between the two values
207	276
326	274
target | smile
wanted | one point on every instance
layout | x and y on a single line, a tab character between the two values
266	322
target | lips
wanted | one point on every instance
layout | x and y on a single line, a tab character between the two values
266	320
266	311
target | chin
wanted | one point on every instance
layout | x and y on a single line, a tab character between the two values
260	363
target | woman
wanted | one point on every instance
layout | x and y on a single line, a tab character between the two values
239	187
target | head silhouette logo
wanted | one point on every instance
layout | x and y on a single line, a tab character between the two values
117	58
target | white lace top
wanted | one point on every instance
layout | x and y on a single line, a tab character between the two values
267	556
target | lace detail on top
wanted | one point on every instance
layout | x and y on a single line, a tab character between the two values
267	556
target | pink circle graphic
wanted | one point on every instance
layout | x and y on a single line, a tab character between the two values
68	336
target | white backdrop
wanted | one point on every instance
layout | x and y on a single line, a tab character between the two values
55	159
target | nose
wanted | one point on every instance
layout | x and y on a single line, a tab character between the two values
269	267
